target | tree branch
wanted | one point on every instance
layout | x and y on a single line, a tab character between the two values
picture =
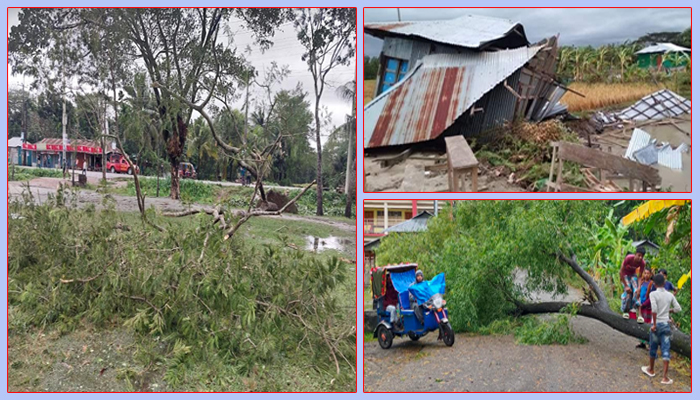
602	302
260	213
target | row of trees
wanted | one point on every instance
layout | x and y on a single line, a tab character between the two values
150	70
614	63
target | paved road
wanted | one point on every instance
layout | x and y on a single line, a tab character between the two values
42	188
608	362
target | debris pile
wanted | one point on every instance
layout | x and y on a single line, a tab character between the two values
539	133
645	150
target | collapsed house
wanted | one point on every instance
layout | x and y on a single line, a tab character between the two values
464	76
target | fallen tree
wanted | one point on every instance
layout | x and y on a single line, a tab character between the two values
483	246
598	308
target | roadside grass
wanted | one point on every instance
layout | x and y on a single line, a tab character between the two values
26	174
602	95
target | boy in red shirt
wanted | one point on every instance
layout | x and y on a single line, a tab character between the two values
630	280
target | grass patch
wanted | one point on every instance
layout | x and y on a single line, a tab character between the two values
533	330
601	95
27	174
537	331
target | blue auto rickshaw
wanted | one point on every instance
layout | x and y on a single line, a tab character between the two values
391	286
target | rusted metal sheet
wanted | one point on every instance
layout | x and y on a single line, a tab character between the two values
438	91
470	31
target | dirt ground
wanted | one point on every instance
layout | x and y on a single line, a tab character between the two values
82	361
42	188
616	140
378	179
608	362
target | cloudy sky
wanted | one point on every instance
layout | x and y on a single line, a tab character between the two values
286	51
576	26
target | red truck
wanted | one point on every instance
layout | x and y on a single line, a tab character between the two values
117	163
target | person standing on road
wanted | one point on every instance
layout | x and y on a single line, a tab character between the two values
663	303
629	279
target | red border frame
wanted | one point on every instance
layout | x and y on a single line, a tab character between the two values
357	340
363	70
691	293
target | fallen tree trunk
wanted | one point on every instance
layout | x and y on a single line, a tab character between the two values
680	342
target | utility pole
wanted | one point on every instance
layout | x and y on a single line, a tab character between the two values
104	161
64	118
398	11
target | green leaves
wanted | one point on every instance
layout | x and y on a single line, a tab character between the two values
496	252
69	264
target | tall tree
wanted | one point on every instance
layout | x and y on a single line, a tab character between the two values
328	37
347	92
178	47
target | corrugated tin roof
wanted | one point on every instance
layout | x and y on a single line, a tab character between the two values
641	242
470	31
440	89
419	223
639	140
73	142
372	245
671	158
658	105
662	48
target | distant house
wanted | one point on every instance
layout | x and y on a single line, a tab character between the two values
14	150
463	76
653	56
650	247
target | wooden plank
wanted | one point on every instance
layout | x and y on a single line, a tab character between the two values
599	159
565	187
386	162
459	152
551	167
436	167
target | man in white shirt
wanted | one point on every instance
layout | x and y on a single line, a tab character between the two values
663	303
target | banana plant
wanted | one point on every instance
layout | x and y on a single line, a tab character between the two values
610	247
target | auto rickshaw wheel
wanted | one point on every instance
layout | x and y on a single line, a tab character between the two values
415	337
385	337
448	335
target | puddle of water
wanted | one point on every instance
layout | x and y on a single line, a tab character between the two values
316	244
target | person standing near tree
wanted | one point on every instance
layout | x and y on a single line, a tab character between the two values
663	303
629	279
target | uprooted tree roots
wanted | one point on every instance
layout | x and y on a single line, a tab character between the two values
248	305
